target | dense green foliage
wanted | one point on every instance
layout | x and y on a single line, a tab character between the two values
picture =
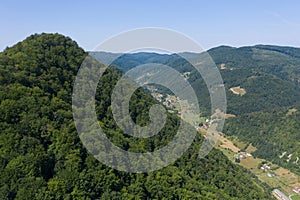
280	61
271	79
41	156
269	74
272	132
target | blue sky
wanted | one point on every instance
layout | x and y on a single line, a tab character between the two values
211	23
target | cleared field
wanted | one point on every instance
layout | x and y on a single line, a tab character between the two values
251	163
288	177
227	144
239	144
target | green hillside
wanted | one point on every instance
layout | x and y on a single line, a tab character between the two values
269	77
280	61
41	156
274	78
269	74
272	132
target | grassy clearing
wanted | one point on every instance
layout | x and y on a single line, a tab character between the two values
251	163
288	177
237	142
227	144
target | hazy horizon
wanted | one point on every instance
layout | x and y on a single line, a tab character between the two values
156	51
211	24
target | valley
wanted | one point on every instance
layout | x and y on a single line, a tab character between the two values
240	153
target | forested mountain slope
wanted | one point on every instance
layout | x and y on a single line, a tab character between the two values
268	78
277	60
270	75
275	134
274	130
42	157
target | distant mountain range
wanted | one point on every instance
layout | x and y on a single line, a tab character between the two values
270	75
278	60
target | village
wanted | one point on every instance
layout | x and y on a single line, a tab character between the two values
173	105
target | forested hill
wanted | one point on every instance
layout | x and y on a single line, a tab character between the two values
270	75
281	61
266	82
273	131
41	156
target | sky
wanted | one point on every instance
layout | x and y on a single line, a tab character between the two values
210	23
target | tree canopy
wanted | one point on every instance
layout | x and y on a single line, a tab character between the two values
42	157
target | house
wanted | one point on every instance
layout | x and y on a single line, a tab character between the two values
265	167
296	161
204	126
281	156
242	156
280	195
157	96
248	154
297	190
